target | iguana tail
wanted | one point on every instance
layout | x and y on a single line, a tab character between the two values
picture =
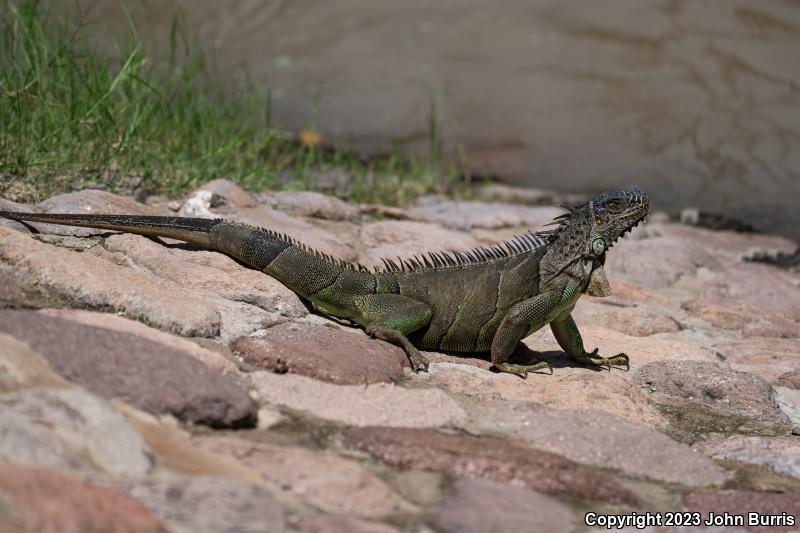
193	230
311	274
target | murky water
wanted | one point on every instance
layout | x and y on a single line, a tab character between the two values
696	101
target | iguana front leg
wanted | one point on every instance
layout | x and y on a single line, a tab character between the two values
523	318
569	338
390	317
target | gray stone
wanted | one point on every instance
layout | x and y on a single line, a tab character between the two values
738	502
758	300
379	404
45	500
89	202
227	193
658	262
638	320
781	454
10	292
225	199
770	358
499	192
239	300
470	457
204	503
467	215
40	274
325	353
328	482
198	205
209	357
479	506
22	368
789	402
729	247
8	205
70	429
599	439
310	204
200	270
700	397
568	388
790	380
401	238
147	374
327	523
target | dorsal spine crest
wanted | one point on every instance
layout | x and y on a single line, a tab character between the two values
519	244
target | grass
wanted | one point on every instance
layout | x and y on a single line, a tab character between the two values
74	116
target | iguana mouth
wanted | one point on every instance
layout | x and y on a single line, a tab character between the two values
629	229
617	213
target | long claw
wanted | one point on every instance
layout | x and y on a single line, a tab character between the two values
591	358
522	370
621	359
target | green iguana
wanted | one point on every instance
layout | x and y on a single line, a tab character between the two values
485	299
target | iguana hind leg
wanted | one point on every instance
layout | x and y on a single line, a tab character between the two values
390	317
569	338
418	361
523	318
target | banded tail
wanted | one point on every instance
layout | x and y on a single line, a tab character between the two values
304	270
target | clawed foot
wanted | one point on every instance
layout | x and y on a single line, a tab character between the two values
522	370
616	360
418	361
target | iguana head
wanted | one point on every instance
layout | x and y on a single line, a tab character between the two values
613	214
587	231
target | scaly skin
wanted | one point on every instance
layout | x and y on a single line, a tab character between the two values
484	299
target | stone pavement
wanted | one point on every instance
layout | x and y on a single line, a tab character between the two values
149	386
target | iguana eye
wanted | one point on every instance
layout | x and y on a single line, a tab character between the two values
614	203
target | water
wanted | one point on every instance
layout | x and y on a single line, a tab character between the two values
698	102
